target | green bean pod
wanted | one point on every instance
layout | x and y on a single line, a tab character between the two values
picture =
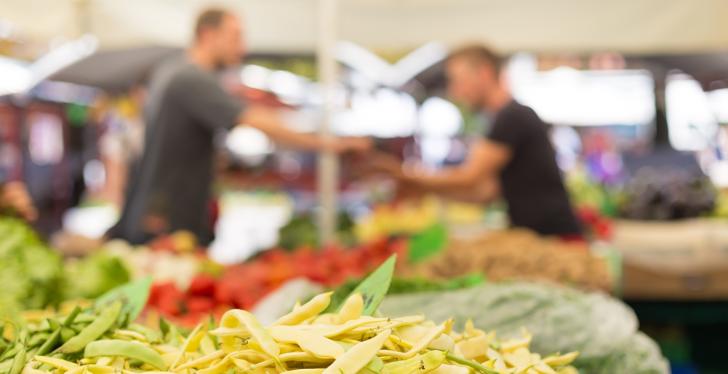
127	349
96	329
18	362
50	343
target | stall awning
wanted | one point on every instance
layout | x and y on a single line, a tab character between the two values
644	26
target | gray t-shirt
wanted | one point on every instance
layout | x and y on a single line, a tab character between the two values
186	107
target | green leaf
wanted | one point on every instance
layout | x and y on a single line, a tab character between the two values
372	289
427	243
134	295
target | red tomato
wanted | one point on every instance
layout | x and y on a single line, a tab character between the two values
200	305
202	285
164	290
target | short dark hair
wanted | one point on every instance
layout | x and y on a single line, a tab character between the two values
210	18
477	54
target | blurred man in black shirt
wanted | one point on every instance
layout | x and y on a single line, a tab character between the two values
515	157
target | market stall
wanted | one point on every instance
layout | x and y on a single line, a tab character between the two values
302	257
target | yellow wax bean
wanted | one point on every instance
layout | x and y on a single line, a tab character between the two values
191	343
319	346
563	360
390	324
128	334
513	344
30	369
326	319
451	369
357	356
443	343
419	346
56	362
568	370
474	346
242	364
304	371
418	364
201	360
352	308
288	333
95	369
301	357
217	368
309	310
237	318
542	368
222	331
519	358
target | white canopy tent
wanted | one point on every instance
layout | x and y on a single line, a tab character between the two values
648	26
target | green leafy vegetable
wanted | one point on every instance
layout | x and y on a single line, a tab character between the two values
372	289
134	295
30	272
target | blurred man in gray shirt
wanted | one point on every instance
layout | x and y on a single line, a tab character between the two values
186	106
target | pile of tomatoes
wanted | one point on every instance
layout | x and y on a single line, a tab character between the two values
243	285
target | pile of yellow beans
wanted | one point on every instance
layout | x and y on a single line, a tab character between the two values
309	341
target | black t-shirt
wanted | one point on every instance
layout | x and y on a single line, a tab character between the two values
185	108
531	181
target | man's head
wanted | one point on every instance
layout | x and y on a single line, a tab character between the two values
473	74
218	32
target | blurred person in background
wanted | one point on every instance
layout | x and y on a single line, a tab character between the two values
514	159
185	108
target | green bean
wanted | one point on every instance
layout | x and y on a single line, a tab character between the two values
5	366
72	316
478	368
149	334
50	343
67	334
38	339
98	327
10	352
163	327
18	362
131	350
23	336
84	318
53	324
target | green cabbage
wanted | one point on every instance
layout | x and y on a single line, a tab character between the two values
601	328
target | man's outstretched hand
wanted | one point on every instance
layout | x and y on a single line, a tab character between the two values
381	162
348	144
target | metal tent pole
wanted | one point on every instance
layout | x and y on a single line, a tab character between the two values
327	161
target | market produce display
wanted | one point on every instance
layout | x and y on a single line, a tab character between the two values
517	254
164	263
90	277
399	219
601	328
414	285
47	342
302	231
243	285
303	341
653	194
587	193
30	273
